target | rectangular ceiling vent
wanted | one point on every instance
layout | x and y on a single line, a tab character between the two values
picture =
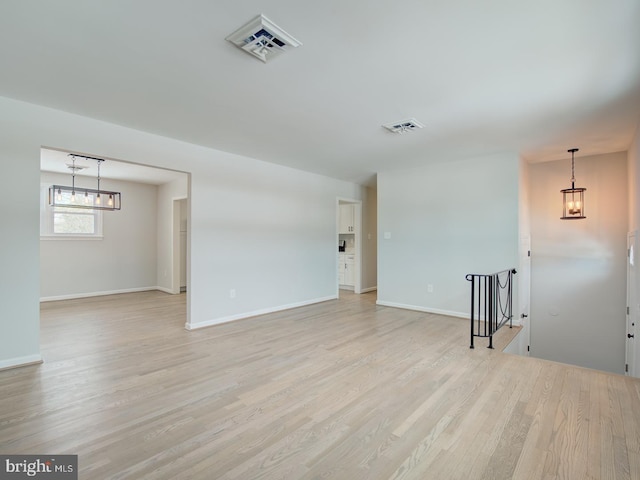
263	39
403	126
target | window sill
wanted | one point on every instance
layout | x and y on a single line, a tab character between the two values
71	237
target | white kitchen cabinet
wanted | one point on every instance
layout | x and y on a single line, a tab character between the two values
346	269
347	219
349	270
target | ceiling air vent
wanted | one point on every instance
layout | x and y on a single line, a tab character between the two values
263	39
403	126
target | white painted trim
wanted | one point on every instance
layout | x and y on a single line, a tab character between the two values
166	290
516	346
424	309
370	289
240	316
20	361
73	296
61	236
449	313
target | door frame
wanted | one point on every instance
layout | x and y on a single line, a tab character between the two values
357	239
632	356
175	247
524	294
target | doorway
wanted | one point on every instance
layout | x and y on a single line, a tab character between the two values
632	357
349	251
132	251
180	250
524	295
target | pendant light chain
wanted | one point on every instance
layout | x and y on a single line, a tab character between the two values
98	200
73	180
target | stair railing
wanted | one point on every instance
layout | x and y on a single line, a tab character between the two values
491	303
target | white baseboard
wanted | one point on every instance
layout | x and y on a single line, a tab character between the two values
240	316
20	361
165	290
100	294
449	313
369	289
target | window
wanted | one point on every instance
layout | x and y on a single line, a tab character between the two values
66	222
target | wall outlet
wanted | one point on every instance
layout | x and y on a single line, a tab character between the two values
232	293
429	288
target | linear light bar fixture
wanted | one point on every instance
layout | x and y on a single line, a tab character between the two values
263	39
80	197
403	126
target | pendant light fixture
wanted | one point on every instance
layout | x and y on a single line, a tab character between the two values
573	198
61	196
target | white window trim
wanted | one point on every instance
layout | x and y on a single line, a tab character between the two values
46	221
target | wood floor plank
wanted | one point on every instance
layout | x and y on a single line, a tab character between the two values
343	389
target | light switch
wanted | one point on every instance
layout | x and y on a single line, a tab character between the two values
387	235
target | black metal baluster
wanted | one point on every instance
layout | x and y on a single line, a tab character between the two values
473	290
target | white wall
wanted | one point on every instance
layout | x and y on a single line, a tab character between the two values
125	258
167	193
264	230
445	220
270	236
578	292
19	247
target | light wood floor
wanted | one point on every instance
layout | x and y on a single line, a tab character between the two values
338	390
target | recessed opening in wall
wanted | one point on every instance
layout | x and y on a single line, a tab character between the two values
125	256
349	214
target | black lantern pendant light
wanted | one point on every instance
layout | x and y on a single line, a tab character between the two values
573	198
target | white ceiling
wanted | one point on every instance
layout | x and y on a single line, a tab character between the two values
58	161
535	77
